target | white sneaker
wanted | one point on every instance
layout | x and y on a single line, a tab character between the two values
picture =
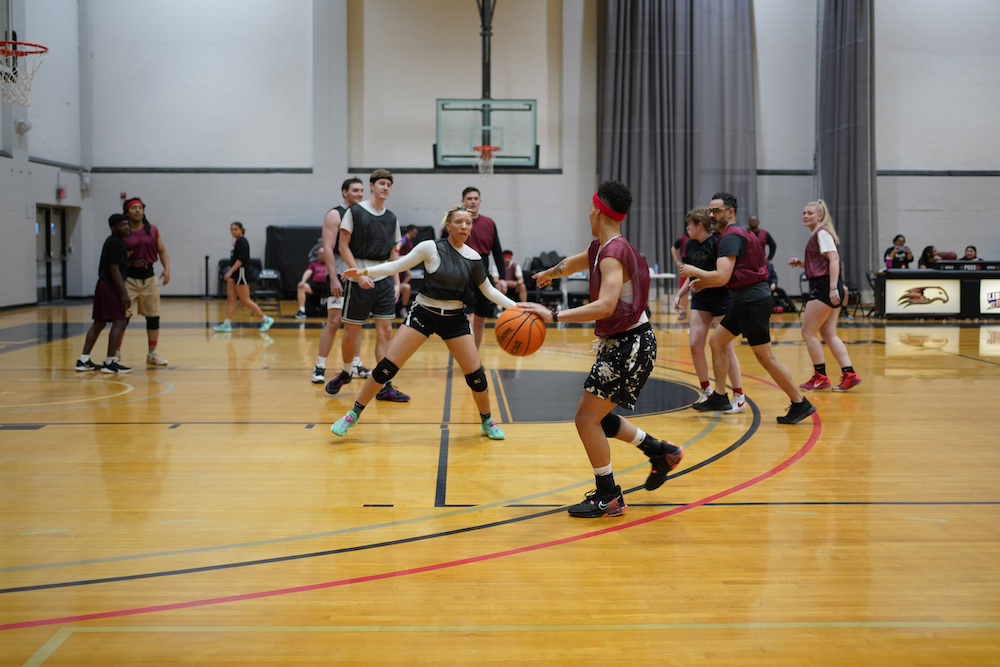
739	404
319	375
155	360
359	371
705	393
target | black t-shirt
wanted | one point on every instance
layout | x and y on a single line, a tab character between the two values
241	251
113	254
898	258
703	254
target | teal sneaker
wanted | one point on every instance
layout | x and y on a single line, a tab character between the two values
222	328
344	423
266	324
491	429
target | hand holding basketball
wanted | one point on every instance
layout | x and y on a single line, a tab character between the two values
519	331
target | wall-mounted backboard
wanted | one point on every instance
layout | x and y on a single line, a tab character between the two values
462	125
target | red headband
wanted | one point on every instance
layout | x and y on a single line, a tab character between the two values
130	202
607	210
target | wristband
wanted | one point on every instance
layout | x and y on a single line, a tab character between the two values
555	316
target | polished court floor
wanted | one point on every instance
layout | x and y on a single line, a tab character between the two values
204	514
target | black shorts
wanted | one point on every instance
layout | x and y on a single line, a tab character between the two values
819	290
446	324
717	304
622	366
240	276
751	319
377	302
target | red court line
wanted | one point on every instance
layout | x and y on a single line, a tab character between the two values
817	428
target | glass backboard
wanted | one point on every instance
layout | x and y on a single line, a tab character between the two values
464	124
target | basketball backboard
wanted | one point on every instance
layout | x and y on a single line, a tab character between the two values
464	124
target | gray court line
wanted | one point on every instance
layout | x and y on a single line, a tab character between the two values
59	638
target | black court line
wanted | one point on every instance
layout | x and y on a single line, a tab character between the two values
441	484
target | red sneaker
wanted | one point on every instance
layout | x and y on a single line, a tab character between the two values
816	383
848	380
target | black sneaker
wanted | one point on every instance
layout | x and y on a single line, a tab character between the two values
88	365
334	385
319	375
662	464
390	393
115	368
301	315
598	504
797	412
716	402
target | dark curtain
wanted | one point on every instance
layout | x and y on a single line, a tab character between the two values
846	131
676	111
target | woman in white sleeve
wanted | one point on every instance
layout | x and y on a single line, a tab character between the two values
826	296
452	273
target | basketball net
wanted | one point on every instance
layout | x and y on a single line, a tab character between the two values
485	159
18	63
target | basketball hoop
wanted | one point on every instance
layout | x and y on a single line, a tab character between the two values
18	63
485	159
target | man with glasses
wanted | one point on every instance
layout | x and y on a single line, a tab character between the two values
742	267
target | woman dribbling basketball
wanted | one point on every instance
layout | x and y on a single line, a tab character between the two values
453	272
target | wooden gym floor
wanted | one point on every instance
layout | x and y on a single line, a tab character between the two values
204	514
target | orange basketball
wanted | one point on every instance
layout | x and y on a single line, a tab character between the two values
519	332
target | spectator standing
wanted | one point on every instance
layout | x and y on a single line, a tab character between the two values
753	224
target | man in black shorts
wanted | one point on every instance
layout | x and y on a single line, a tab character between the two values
742	267
111	300
369	234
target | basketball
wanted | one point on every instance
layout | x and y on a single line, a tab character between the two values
519	332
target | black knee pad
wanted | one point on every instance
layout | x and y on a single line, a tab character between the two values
611	424
477	380
385	371
152	323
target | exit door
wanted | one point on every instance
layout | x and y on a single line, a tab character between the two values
51	242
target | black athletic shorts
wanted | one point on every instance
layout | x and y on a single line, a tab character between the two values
447	324
751	319
717	304
377	302
819	289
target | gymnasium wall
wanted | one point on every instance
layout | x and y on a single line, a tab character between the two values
255	111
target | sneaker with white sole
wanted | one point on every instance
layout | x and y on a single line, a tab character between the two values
490	428
848	380
818	382
319	375
266	324
344	423
705	393
85	366
301	315
359	371
153	359
114	367
222	328
739	404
